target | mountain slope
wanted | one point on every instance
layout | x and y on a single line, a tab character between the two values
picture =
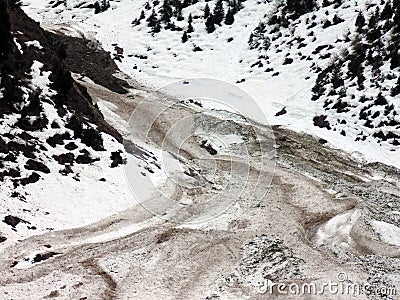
281	54
51	134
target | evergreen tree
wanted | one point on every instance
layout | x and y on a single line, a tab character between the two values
153	22
166	12
142	15
338	3
396	20
386	12
179	16
300	7
396	6
152	19
337	77
184	37
101	7
229	18
105	4
190	26
380	100
326	3
395	60
206	11
219	13
239	5
97	8
157	27
210	25
233	6
374	19
360	21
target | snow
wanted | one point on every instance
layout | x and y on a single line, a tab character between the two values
92	193
389	233
96	192
337	230
85	198
124	231
40	79
169	60
18	46
242	89
34	44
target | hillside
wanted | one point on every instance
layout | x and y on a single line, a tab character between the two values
51	135
288	58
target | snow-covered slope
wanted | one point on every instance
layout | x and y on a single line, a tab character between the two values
280	57
58	157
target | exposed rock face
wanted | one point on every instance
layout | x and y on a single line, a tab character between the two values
40	98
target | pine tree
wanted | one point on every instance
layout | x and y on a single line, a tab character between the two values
179	16
360	21
97	8
234	6
166	12
105	4
206	11
295	9
386	12
396	19
157	27
219	13
210	25
396	6
152	19
395	60
101	7
184	37
374	19
153	22
338	3
380	100
187	3
190	26
229	18
142	15
337	77
326	3
239	5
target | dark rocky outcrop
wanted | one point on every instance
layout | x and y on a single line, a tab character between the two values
70	100
36	166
